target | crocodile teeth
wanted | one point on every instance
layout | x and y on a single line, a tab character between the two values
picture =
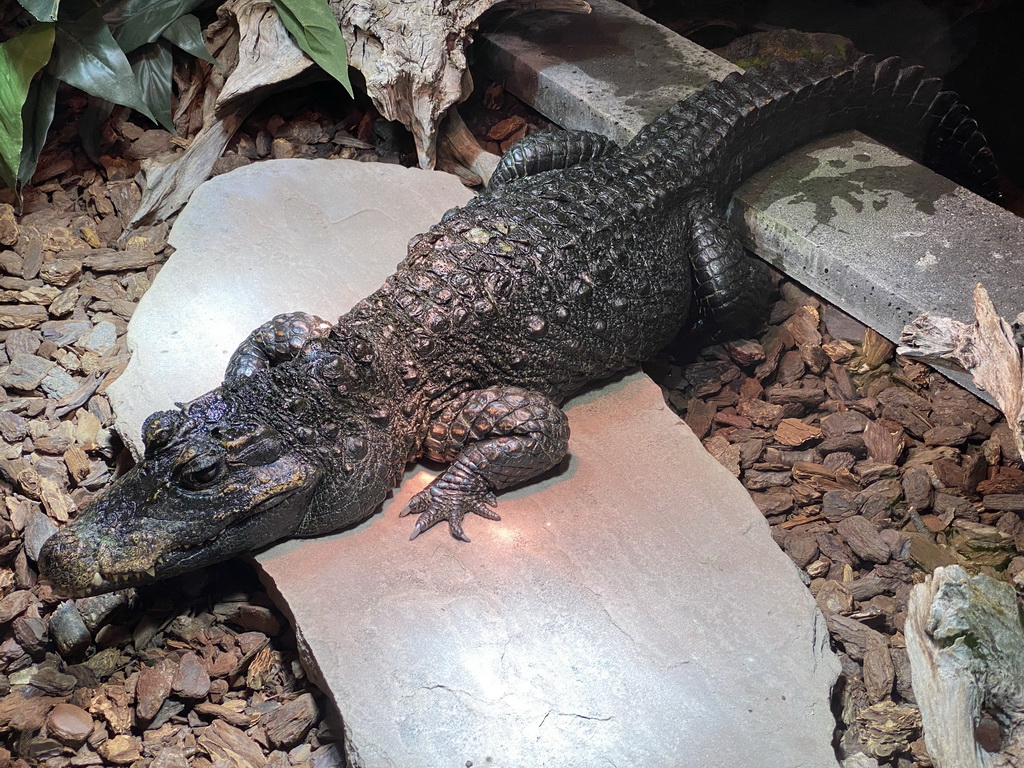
97	579
151	572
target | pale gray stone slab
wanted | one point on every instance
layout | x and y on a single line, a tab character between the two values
631	609
281	236
611	71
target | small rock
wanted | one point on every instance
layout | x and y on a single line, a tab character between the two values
153	688
101	339
286	725
38	529
70	724
68	630
191	680
25	372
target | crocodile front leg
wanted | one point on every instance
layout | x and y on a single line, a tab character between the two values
495	438
278	339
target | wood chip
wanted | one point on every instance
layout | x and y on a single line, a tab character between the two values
864	538
224	742
110	260
21	316
287	725
796	433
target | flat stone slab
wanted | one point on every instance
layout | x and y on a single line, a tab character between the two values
631	609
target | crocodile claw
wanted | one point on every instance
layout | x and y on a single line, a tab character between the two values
434	505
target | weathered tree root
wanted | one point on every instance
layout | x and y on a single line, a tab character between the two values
965	640
989	350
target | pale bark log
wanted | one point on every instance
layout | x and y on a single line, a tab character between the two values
412	54
988	350
965	641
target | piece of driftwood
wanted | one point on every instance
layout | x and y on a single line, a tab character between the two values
965	640
458	144
988	349
413	55
259	56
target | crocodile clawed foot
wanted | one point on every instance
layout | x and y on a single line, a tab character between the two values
434	505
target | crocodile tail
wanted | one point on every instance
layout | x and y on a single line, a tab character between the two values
733	128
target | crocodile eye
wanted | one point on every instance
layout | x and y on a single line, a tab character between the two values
199	473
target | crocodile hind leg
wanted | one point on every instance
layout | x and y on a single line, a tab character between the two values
494	438
278	339
732	287
548	152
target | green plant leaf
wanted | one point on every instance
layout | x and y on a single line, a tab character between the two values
90	125
20	58
187	34
88	58
37	116
152	69
42	10
317	33
137	22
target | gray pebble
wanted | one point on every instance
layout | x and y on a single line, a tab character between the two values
101	339
68	630
25	372
38	529
58	383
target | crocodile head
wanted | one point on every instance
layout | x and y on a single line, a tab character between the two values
214	481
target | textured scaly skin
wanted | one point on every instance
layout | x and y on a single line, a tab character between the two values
497	314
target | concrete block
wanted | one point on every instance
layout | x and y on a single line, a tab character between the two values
881	237
610	72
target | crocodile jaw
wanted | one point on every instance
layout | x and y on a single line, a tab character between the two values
144	528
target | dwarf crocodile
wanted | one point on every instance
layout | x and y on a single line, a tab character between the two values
587	260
